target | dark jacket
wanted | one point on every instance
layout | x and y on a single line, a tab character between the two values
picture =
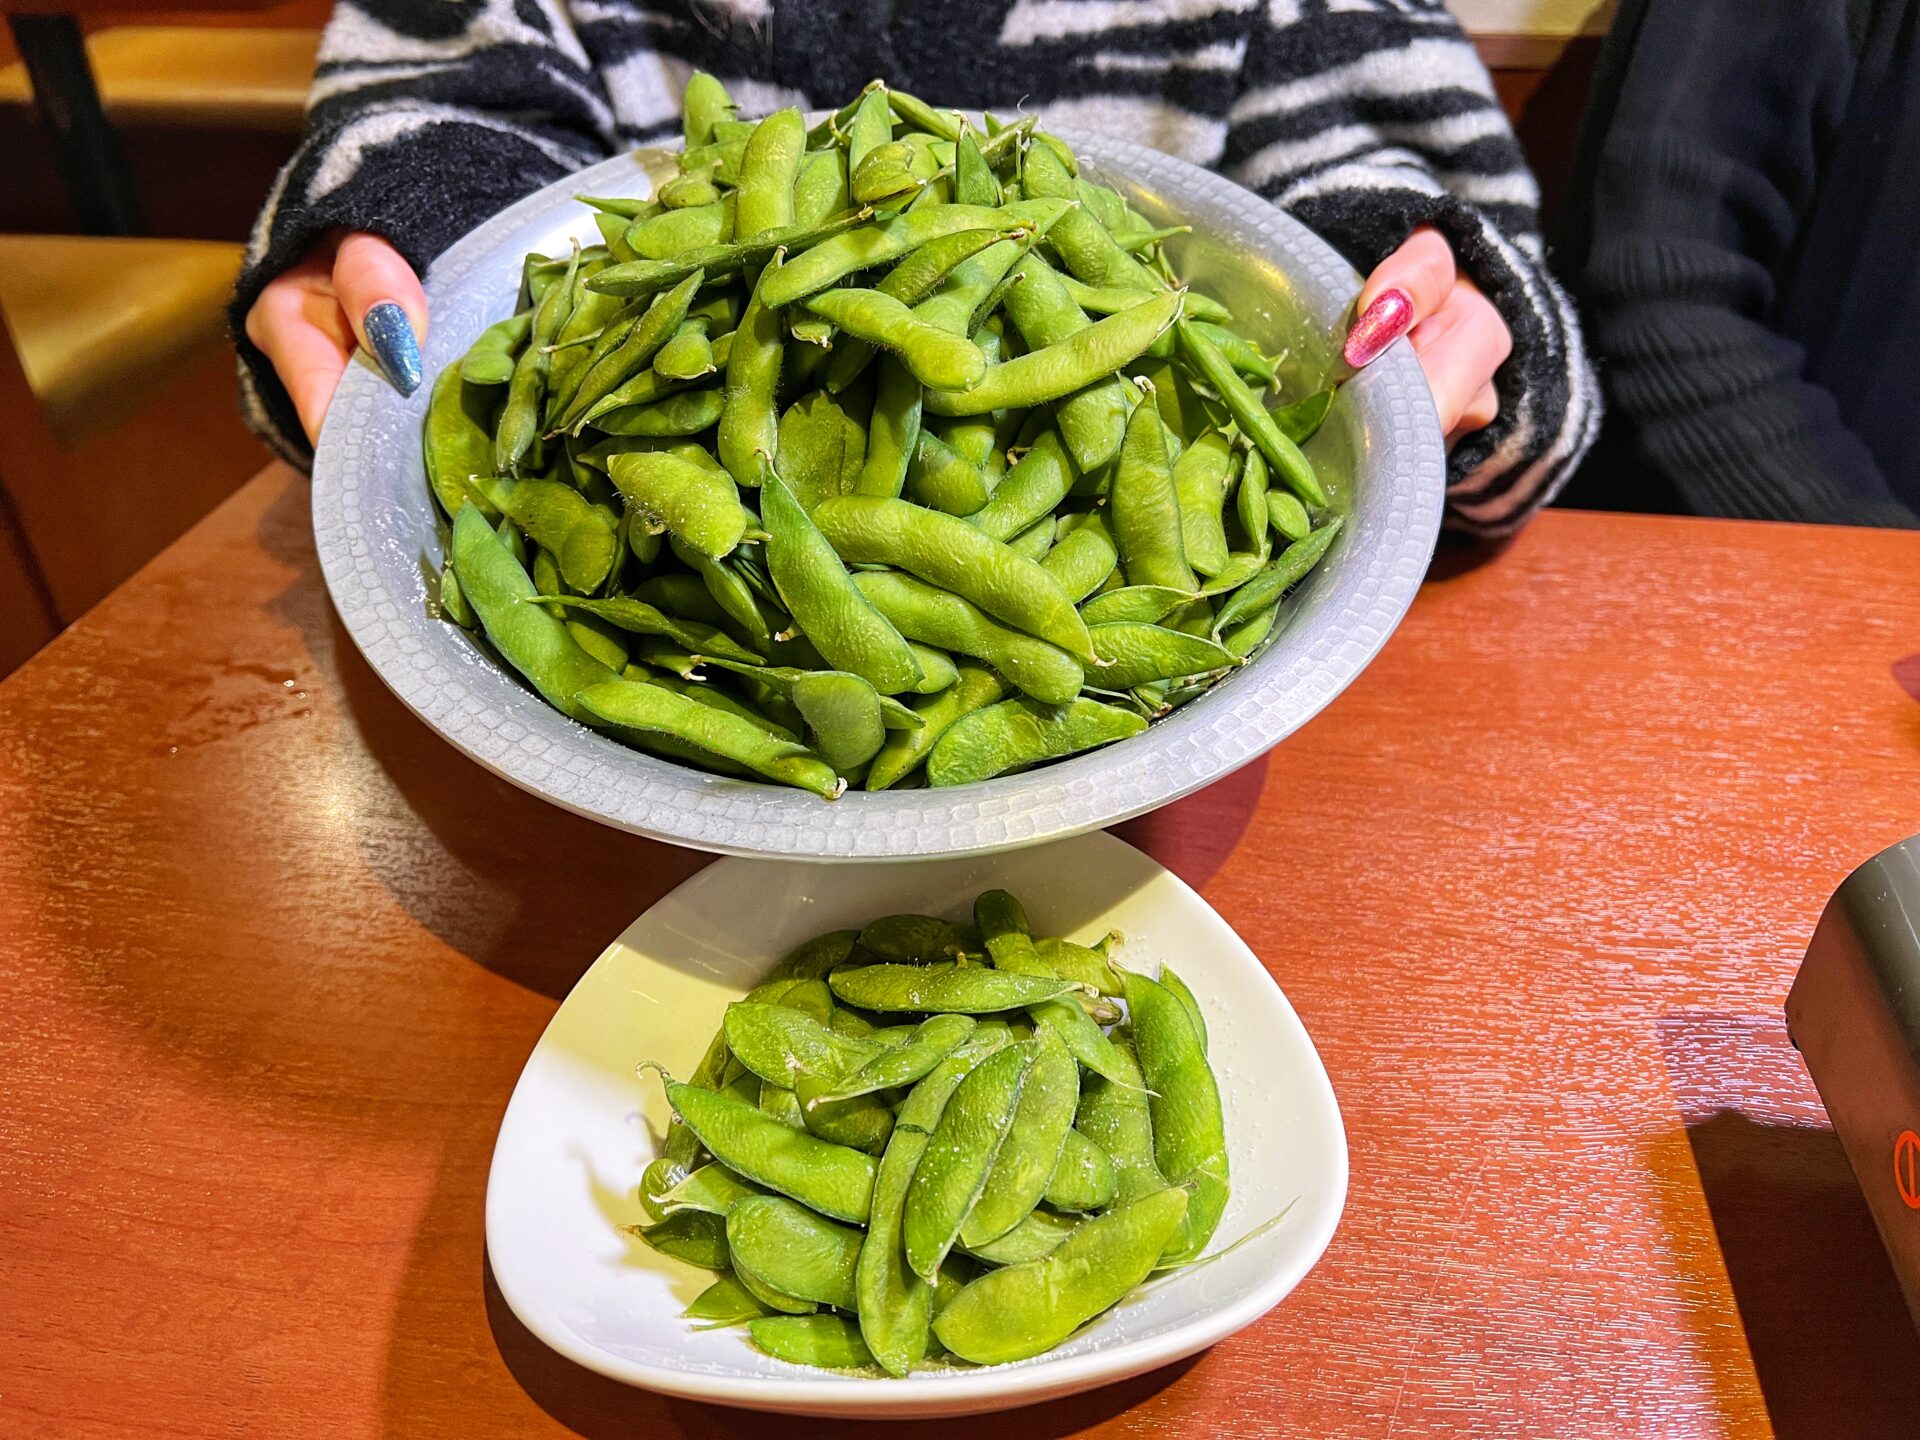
1744	239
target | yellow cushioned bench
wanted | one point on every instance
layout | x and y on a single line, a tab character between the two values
205	77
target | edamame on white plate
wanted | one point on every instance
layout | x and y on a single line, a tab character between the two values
690	986
921	413
915	1144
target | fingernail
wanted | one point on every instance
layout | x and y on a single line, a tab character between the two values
390	337
1383	322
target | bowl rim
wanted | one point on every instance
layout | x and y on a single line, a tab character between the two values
974	1390
372	551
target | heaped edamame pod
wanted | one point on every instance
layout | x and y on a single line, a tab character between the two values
1003	423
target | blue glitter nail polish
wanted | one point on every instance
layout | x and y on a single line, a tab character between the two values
390	337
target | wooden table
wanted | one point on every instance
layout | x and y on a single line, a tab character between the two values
271	956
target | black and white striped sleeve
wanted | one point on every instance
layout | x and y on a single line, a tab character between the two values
1367	118
425	117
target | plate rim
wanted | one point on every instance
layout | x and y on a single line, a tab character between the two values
972	1391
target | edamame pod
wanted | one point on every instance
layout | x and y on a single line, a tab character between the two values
931	1042
941	478
1136	654
1280	575
704	103
768	169
828	1342
562	522
960	1155
937	617
894	431
934	356
1072	364
725	1302
1031	490
835	614
1085	1179
1030	1153
1146	507
1038	1235
1200	481
895	1305
674	232
782	1045
749	423
943	989
937	670
957	557
1288	516
534	642
832	1179
1249	414
694	504
649	708
1189	1133
1015	734
904	750
1081	560
712	1188
691	1235
457	442
862	1122
489	360
1300	420
843	716
644	277
639	618
1135	604
791	1248
1177	987
887	240
1025	1310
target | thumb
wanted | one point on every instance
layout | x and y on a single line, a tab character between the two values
385	305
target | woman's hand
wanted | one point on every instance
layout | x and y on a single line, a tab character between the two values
351	289
1458	335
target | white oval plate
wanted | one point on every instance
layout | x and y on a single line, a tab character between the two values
581	1126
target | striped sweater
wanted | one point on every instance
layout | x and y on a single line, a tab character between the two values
1363	118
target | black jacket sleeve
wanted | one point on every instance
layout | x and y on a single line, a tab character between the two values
1698	188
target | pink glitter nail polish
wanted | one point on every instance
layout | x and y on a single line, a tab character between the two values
1388	318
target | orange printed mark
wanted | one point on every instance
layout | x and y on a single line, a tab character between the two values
1906	1168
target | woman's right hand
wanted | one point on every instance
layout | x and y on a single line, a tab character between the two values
351	289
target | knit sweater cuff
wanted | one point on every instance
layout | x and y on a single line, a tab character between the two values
1549	398
420	189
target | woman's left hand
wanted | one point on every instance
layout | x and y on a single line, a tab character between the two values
1458	335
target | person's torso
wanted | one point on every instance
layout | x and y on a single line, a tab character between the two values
1159	72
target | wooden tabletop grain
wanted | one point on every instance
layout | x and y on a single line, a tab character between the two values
271	956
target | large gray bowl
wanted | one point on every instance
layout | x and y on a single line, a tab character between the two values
1380	452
